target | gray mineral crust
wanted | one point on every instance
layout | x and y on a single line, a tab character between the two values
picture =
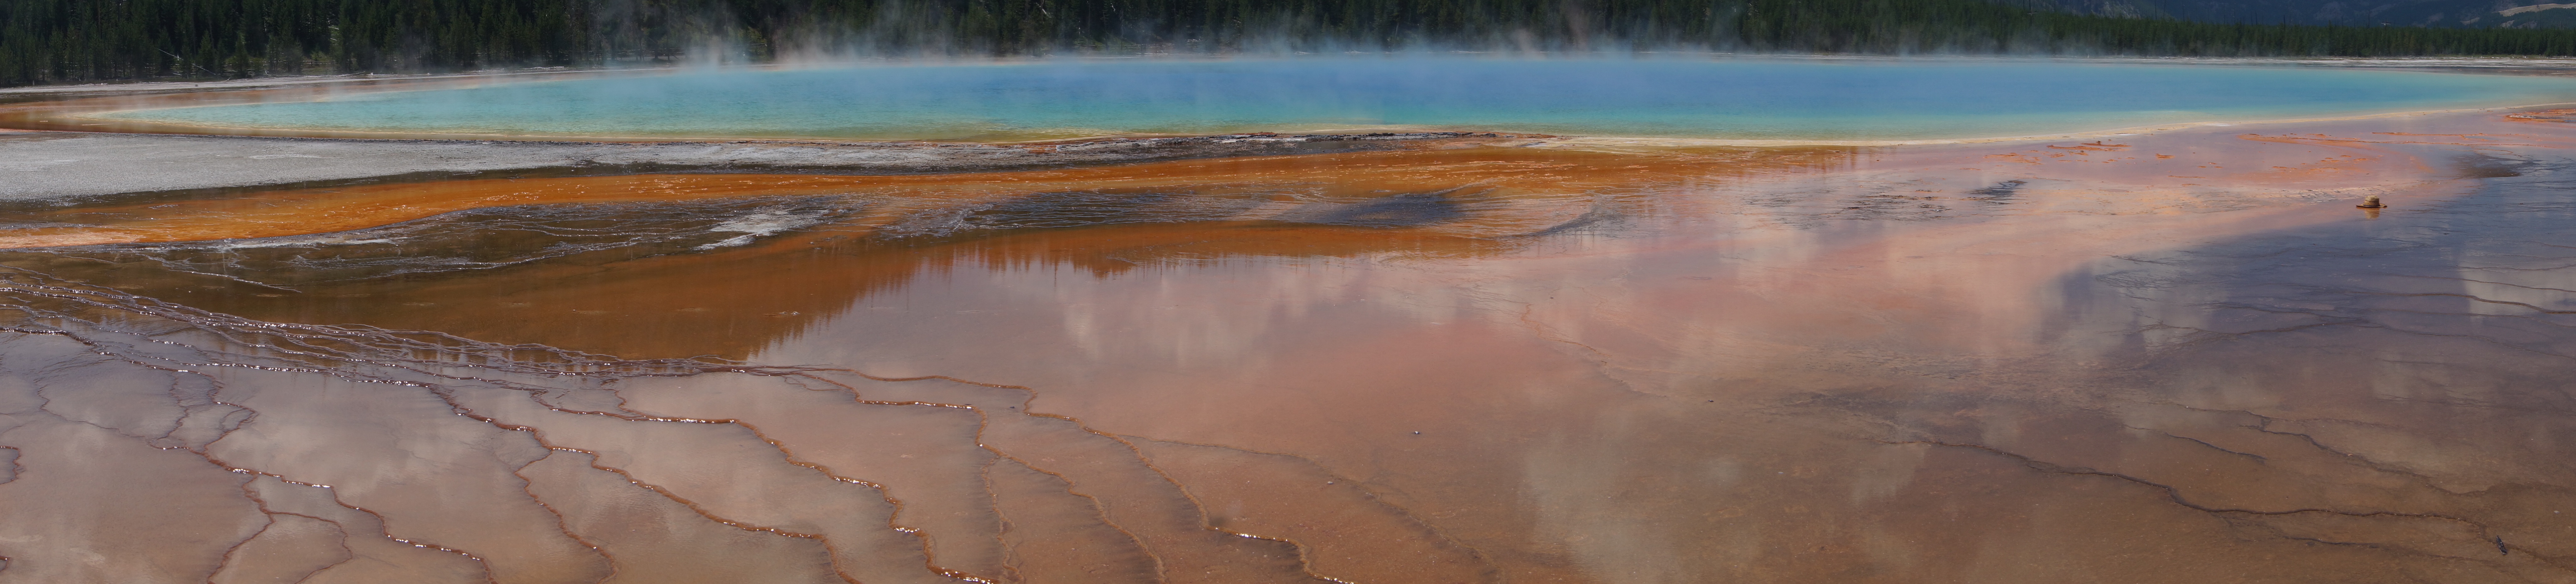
65	166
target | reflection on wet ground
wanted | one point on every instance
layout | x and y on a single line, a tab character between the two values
2175	357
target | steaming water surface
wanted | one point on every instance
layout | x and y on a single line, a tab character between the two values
1760	100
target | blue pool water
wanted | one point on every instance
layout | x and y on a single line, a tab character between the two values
1733	99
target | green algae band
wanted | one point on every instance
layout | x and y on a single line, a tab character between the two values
1766	99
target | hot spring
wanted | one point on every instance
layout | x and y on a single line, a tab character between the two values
1796	100
2168	351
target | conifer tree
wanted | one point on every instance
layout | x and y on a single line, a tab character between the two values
74	41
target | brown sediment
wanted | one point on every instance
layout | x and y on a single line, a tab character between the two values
515	537
2458	139
942	502
1279	494
708	304
675	545
1345	174
1454	382
1056	535
698	304
2560	115
859	551
2094	146
2220	158
1895	365
586	307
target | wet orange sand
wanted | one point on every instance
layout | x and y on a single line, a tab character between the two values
2007	363
1472	166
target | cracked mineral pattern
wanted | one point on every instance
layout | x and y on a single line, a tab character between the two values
2184	357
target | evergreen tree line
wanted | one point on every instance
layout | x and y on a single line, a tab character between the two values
72	41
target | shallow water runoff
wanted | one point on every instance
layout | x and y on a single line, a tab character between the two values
1443	321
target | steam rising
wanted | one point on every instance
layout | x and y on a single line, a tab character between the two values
1762	99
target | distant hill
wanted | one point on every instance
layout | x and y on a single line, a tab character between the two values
71	41
2435	13
2531	16
2342	12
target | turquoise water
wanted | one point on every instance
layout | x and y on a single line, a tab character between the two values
1734	99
